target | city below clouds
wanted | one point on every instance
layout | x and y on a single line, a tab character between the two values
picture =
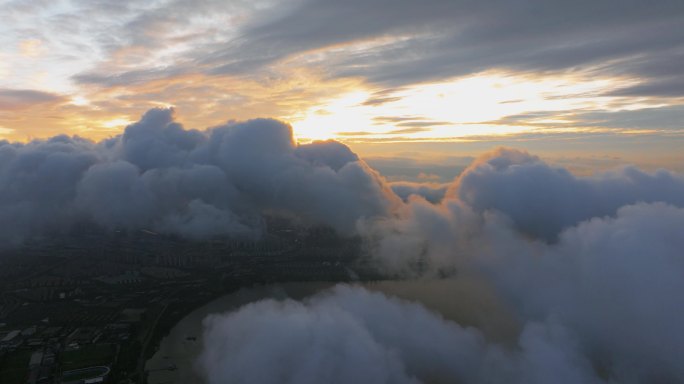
568	257
530	150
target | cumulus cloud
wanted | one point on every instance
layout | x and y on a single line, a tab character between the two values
591	266
614	281
433	193
39	182
600	305
352	335
507	195
159	175
542	200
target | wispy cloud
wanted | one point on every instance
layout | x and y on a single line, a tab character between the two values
25	98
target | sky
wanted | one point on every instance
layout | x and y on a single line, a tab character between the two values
587	84
490	139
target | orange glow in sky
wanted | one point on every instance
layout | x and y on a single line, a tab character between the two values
454	109
75	68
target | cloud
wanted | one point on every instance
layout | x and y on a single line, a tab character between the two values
356	133
30	47
405	131
591	266
412	44
667	87
157	141
659	118
197	183
592	262
160	175
601	304
609	282
419	124
114	196
507	201
13	99
255	48
38	183
454	38
542	200
613	281
398	119
433	193
264	335
375	101
350	335
411	167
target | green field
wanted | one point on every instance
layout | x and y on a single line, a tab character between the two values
14	367
88	356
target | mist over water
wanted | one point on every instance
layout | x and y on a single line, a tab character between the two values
468	303
589	270
184	343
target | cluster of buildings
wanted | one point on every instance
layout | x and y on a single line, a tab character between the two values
95	299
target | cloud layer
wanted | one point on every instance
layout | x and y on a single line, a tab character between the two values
542	199
592	268
160	176
600	305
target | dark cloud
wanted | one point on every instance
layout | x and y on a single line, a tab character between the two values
599	304
665	118
327	153
25	98
161	176
668	87
158	175
658	118
128	78
528	118
381	100
542	200
432	40
450	38
590	266
114	195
